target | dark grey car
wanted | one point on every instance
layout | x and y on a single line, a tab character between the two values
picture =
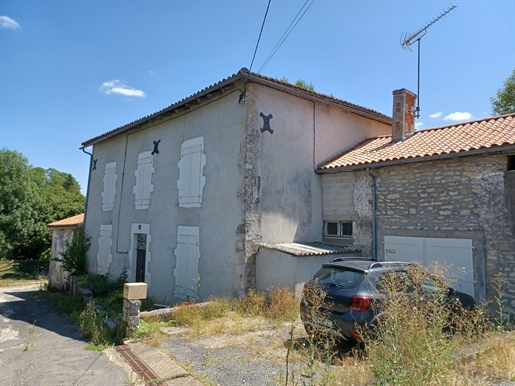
351	286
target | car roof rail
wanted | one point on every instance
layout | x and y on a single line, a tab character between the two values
388	263
344	258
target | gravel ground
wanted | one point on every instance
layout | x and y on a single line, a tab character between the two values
255	358
252	358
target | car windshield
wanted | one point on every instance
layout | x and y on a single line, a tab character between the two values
339	277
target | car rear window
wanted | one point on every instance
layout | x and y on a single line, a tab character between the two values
343	277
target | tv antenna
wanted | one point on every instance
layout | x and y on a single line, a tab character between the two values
407	41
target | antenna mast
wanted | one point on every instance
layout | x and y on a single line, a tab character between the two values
407	41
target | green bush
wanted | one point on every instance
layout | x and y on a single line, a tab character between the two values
74	256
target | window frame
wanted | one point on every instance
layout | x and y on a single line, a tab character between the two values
341	232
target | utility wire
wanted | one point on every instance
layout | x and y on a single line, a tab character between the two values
287	33
260	32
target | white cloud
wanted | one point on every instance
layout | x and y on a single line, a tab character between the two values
153	73
457	116
118	87
436	115
7	22
418	125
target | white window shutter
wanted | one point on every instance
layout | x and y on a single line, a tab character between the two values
186	263
109	192
104	256
191	180
143	186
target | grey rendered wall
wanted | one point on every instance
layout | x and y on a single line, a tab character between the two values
305	133
278	269
221	124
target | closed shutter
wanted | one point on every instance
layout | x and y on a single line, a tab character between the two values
186	266
104	256
191	180
109	192
143	186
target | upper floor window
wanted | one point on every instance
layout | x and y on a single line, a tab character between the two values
109	186
191	180
144	186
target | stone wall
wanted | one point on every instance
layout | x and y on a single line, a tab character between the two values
466	197
460	197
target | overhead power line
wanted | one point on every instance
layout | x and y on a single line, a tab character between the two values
288	31
260	32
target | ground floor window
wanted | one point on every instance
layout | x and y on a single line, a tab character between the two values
341	229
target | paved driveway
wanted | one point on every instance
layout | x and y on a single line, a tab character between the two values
40	347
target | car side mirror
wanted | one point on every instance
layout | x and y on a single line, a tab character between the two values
451	291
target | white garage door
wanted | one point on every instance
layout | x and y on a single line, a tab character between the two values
454	254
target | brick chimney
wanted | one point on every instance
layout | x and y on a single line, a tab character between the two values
403	125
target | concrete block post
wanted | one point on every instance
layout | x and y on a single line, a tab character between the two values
132	293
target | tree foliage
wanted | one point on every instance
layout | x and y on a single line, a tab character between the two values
30	198
504	100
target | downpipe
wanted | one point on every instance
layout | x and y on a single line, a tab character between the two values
374	227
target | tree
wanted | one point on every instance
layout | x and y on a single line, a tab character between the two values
17	202
30	198
504	101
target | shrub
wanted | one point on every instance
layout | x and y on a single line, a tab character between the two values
93	327
74	256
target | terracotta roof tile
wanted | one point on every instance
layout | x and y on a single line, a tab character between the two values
69	222
461	138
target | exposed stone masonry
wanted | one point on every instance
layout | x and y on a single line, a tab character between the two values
461	194
465	197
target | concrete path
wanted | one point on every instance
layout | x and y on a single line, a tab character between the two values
40	347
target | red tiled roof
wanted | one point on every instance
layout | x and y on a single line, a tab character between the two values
69	222
225	85
474	136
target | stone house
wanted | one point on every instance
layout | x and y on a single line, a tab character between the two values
63	231
444	195
184	199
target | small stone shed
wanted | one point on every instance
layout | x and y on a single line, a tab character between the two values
63	231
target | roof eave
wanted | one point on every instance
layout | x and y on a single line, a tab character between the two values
224	84
375	165
172	109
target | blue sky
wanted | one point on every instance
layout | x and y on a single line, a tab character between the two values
71	70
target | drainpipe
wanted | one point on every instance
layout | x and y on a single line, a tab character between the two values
87	189
374	229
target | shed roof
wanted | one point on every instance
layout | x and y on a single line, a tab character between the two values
310	249
226	85
466	138
70	222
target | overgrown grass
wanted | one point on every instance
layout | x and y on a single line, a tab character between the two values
418	342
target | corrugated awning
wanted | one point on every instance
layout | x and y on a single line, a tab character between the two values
310	249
